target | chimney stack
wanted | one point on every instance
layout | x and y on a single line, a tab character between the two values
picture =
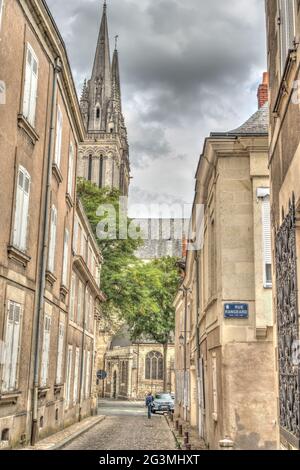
184	247
263	91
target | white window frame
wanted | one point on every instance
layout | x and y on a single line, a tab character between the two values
71	169
76	377
69	375
66	258
72	297
46	351
30	85
287	14
22	209
267	239
79	302
52	242
60	352
1	12
12	345
214	387
88	374
58	141
83	374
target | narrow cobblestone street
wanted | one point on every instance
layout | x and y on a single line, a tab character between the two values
126	427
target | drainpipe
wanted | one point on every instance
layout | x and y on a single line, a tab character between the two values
198	352
43	258
82	354
185	293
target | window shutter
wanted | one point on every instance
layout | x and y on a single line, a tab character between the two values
58	143
84	373
287	28
15	347
61	337
69	371
72	297
33	91
8	347
76	376
52	244
71	169
27	84
267	246
75	236
88	373
22	209
66	258
46	350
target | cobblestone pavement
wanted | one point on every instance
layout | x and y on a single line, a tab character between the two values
126	427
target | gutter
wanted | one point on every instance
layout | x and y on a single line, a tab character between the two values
39	309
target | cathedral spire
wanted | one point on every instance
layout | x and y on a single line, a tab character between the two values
102	65
116	87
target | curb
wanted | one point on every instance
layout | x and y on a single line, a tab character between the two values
177	442
72	438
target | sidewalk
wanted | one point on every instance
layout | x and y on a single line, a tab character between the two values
62	438
194	439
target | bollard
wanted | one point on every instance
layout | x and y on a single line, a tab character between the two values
226	444
177	424
180	430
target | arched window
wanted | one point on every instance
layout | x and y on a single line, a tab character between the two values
154	366
98	113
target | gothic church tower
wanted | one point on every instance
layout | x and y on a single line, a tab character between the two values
104	156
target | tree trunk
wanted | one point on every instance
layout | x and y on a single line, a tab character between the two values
165	345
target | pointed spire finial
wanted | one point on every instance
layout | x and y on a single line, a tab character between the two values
104	5
116	42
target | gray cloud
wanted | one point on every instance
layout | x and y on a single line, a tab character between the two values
187	68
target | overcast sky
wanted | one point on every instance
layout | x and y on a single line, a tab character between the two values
188	67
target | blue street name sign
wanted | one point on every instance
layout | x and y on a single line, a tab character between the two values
236	311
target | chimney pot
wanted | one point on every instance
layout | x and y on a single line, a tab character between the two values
263	91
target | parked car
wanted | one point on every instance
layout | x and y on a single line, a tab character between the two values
163	402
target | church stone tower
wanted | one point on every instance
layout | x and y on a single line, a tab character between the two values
104	156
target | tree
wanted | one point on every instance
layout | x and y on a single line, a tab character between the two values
117	253
150	297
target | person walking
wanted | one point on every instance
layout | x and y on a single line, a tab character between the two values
149	401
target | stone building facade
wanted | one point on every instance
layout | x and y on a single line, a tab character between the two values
283	33
40	131
104	155
225	368
134	369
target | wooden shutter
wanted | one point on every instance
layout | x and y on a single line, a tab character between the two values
27	83
84	373
12	347
33	91
267	246
52	244
66	258
76	376
46	351
69	372
60	352
287	28
1	12
75	236
88	374
72	297
30	86
58	144
71	169
22	210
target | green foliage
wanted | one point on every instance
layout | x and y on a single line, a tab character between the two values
140	294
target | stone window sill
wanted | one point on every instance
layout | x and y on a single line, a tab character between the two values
8	398
28	129
18	256
43	391
69	200
51	278
57	173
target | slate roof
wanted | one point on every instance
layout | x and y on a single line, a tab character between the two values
258	124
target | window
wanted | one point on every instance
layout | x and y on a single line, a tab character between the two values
69	374
71	170
214	387
52	243
22	210
88	375
83	374
90	168
76	376
66	258
30	86
98	113
287	29
12	346
60	352
58	144
154	367
75	236
72	297
267	250
46	351
79	302
1	11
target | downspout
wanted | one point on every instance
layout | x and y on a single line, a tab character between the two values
186	290
44	256
198	352
82	354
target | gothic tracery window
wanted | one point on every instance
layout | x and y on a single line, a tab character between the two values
154	366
